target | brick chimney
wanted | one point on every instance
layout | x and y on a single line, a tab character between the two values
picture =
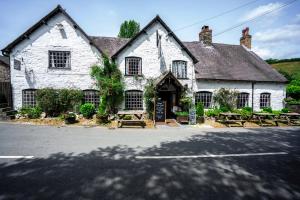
205	35
246	38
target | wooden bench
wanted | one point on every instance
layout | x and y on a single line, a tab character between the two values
265	119
136	115
231	118
123	122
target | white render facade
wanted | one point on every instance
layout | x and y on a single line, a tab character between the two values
33	53
35	73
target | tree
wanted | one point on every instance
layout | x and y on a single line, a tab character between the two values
128	29
226	99
110	84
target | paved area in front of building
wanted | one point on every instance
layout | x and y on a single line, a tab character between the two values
190	163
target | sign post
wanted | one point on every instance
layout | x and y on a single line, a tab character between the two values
192	116
160	111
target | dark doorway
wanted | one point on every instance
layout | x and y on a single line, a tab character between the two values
169	90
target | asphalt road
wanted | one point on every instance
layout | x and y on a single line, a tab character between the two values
175	164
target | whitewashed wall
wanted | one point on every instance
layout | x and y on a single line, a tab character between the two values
152	67
33	54
277	91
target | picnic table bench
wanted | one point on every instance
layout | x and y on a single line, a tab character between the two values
265	119
292	119
229	118
139	121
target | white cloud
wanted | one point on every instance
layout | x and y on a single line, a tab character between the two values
265	53
285	33
262	9
297	19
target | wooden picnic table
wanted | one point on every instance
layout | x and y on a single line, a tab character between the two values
229	118
264	118
139	114
290	118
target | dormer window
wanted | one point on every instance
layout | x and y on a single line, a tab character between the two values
179	69
133	66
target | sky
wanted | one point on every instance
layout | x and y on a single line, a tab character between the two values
276	35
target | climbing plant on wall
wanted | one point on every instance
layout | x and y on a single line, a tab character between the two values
109	81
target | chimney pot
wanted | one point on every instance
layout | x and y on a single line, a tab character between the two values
246	38
205	35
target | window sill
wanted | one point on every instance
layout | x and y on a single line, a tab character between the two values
127	75
183	78
53	68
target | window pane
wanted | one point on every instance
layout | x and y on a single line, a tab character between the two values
205	98
179	69
242	100
92	96
134	100
265	100
133	66
29	98
59	59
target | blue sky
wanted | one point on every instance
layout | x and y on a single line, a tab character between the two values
276	35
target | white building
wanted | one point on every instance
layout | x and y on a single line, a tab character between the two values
57	53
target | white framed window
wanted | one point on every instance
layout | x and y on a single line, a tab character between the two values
133	66
242	100
92	96
265	100
204	97
133	100
29	97
179	68
59	59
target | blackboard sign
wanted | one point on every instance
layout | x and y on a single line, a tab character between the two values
192	116
160	111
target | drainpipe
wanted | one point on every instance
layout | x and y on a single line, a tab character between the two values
252	96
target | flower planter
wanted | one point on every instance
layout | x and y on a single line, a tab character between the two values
182	119
102	119
70	118
200	120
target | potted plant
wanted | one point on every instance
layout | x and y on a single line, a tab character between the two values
102	116
70	118
200	113
182	117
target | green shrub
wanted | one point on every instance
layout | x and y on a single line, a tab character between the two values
200	109
226	99
267	110
249	109
212	112
87	110
284	110
35	112
57	101
182	114
276	112
225	109
127	117
31	112
246	112
24	111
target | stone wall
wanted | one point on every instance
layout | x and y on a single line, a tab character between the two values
4	73
33	55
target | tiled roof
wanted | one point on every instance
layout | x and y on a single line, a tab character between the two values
4	60
109	45
231	62
215	62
